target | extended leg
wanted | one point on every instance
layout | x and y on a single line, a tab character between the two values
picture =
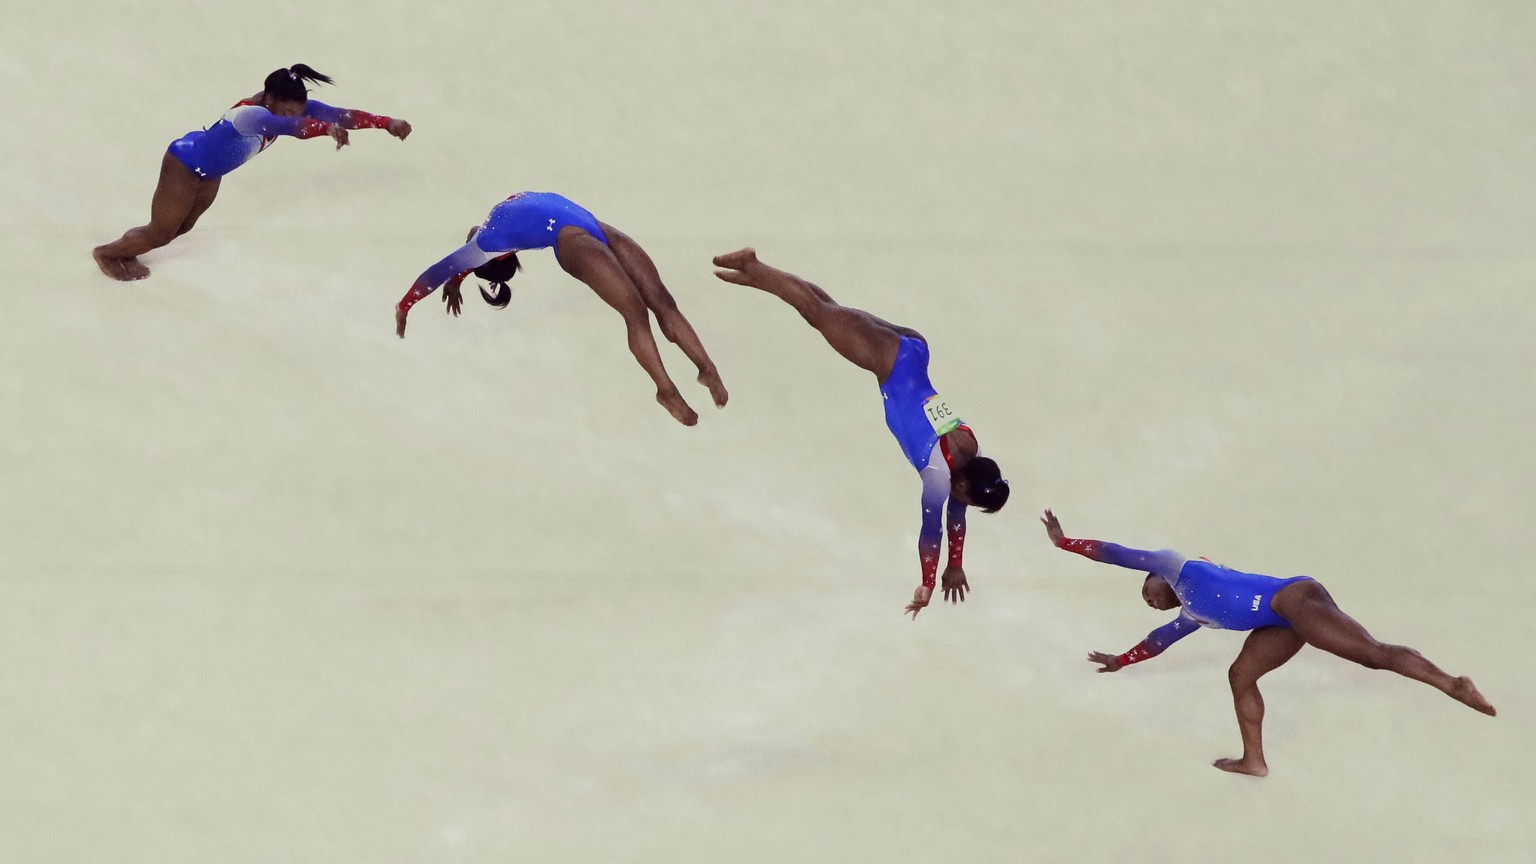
862	339
175	197
642	272
586	258
1310	609
1267	649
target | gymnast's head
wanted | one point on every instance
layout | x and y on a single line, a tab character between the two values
498	271
1158	593
284	93
979	483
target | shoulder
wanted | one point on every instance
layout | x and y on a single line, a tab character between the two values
244	109
963	441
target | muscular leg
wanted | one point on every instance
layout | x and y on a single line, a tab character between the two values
642	272
1310	609
205	195
1267	649
175	197
586	258
864	340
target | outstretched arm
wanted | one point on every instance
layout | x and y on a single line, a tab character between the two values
466	258
953	580
1156	643
1163	561
256	120
351	118
931	537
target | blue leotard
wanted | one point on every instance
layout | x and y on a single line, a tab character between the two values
532	220
913	411
919	419
243	131
1219	598
527	220
1225	599
1210	595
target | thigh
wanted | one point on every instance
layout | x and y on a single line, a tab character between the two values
1266	649
861	338
1310	610
175	195
200	204
640	268
586	258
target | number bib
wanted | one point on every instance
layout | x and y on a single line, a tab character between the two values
940	417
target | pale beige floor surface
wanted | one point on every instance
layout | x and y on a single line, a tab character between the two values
277	587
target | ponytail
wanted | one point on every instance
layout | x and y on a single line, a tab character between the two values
299	70
288	84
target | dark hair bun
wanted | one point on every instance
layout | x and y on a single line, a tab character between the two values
985	484
498	272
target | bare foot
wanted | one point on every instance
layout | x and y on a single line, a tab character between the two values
673	402
135	270
121	269
1467	693
711	378
1240	766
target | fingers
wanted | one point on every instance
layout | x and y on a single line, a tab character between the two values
734	276
737	260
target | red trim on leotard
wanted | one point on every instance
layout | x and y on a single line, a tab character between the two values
949	458
1143	651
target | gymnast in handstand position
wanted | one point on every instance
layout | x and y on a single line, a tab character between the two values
943	449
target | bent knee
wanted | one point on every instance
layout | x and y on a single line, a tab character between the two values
1240	677
669	320
636	319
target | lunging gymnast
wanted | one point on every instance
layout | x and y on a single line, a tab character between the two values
195	163
1284	614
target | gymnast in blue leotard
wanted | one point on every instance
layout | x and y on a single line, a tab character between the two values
609	261
1283	615
935	442
194	164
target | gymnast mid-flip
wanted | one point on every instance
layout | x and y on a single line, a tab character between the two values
612	264
194	164
942	448
1284	614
